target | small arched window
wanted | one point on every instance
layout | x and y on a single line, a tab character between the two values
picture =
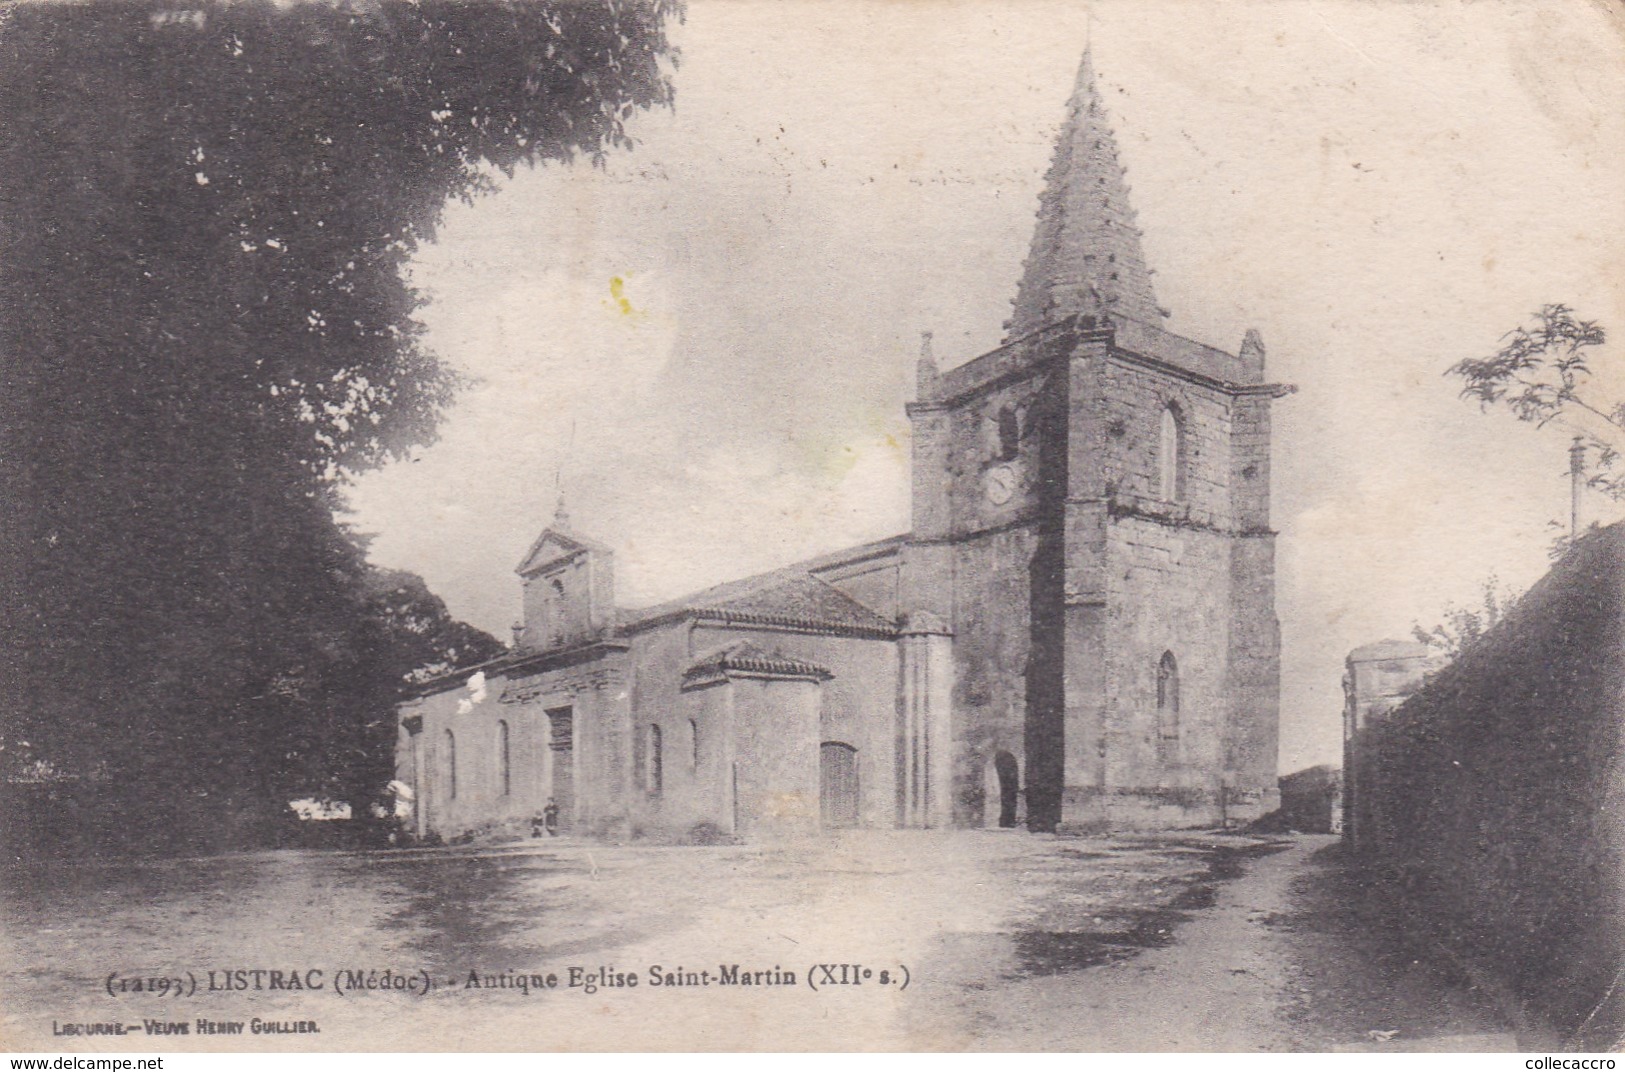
1009	434
1168	695
654	772
555	611
1170	455
504	766
451	765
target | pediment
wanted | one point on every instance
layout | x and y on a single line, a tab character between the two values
551	547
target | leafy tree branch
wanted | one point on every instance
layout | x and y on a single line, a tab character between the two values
1463	627
1542	374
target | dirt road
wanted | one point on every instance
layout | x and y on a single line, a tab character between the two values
983	940
1291	955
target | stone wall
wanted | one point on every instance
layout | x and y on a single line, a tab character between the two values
700	783
1252	734
1146	573
462	727
990	460
694	788
992	653
857	706
1027	409
568	601
1252	738
1170	592
1496	795
618	695
1135	399
776	735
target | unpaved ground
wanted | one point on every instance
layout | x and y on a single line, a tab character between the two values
1005	940
1291	956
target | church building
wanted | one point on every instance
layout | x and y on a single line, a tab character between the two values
1079	632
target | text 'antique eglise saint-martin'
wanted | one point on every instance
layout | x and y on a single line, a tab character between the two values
1079	631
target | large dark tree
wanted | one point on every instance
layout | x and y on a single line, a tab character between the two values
425	641
340	699
204	211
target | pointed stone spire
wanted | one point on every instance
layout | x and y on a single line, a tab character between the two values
1252	352
925	370
1252	345
1086	256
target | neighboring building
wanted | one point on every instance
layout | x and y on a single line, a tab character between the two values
1080	629
1311	801
1379	677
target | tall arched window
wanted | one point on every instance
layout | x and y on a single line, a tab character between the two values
693	744
654	771
1170	448
1168	695
451	765
504	768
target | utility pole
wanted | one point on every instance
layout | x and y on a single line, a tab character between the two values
1577	483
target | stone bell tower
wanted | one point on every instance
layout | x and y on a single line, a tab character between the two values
1091	520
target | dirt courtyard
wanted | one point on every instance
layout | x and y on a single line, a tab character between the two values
871	940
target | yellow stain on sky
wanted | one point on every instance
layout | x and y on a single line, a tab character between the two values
618	299
835	458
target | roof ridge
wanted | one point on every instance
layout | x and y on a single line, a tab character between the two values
847	596
711	596
738	604
747	656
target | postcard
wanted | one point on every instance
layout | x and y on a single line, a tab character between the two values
812	526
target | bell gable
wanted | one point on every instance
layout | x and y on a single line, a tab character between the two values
569	591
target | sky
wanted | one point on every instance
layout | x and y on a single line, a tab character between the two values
706	346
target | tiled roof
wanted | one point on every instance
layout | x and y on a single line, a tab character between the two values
796	598
790	597
1390	649
747	657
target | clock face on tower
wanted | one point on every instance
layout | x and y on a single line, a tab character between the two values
999	484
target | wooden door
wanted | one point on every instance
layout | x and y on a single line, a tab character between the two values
838	784
562	742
